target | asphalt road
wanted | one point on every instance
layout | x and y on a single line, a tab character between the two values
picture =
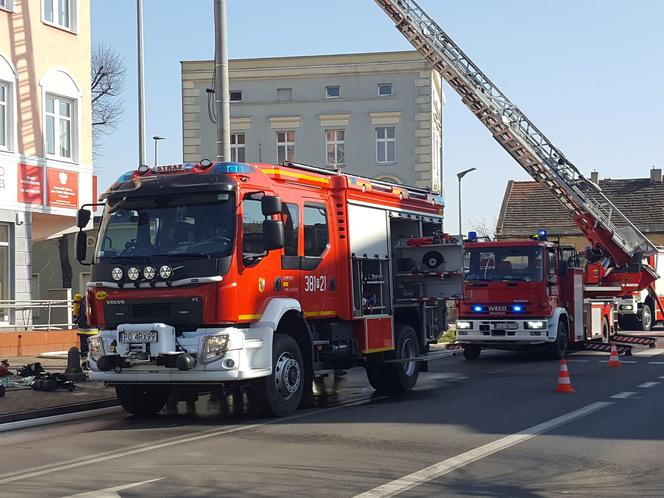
494	427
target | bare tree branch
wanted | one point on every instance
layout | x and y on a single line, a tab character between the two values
484	227
108	80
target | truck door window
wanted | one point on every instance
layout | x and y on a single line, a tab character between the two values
252	228
291	219
316	235
553	270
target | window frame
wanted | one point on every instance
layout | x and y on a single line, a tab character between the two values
230	96
296	220
57	118
257	255
327	91
8	5
286	144
385	94
383	142
285	90
314	205
6	107
55	22
236	147
336	142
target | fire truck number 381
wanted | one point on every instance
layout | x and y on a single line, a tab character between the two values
313	283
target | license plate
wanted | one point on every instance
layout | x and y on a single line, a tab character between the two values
138	336
505	326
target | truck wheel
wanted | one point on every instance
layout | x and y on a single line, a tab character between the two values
558	349
142	401
646	318
472	351
279	394
392	378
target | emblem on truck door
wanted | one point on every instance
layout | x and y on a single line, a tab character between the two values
261	284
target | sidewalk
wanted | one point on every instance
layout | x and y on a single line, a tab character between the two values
23	403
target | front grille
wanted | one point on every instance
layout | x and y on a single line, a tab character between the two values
151	310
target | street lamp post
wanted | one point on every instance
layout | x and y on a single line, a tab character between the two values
460	175
156	139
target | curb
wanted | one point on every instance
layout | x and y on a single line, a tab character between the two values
54	419
73	408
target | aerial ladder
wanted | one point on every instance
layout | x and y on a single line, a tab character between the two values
607	229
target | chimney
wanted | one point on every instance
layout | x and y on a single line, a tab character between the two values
594	177
655	175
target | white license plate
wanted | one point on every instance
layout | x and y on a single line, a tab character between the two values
138	336
505	326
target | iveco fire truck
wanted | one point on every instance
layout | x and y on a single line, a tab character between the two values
641	309
522	292
257	276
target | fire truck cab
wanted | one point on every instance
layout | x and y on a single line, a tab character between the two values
527	294
642	309
222	276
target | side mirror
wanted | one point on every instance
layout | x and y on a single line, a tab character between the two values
273	234
81	246
270	205
82	218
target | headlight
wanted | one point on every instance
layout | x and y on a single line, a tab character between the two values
214	347
535	324
626	307
165	272
149	272
464	325
117	273
133	273
95	346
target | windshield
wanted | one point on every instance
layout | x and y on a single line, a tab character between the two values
195	225
504	263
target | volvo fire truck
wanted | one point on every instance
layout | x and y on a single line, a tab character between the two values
523	293
259	277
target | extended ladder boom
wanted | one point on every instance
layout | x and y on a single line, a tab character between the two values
602	223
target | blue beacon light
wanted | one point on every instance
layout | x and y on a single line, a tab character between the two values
477	308
517	308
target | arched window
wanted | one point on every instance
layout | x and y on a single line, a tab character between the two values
7	105
60	103
388	178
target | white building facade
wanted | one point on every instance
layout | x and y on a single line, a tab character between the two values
377	115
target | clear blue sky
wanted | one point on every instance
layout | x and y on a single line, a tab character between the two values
588	72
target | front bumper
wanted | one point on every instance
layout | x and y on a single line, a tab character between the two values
505	332
628	306
250	350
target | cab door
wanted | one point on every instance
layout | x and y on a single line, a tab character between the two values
318	265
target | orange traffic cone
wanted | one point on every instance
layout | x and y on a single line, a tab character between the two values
564	385
614	359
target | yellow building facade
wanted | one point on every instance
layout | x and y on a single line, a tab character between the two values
45	131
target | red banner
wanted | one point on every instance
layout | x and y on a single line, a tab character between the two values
30	184
62	188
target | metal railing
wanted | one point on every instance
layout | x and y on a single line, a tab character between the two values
36	314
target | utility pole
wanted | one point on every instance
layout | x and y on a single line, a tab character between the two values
221	90
460	175
141	87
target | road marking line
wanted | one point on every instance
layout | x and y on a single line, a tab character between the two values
446	466
577	361
656	363
649	384
662	377
647	352
112	492
621	361
112	455
623	395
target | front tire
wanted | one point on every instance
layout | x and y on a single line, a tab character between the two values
391	378
142	401
558	349
280	393
646	318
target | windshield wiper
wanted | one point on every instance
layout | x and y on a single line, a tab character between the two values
125	258
185	255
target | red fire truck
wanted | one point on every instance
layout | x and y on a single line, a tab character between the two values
642	309
521	293
209	276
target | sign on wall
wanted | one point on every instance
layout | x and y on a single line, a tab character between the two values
30	184
3	179
62	188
